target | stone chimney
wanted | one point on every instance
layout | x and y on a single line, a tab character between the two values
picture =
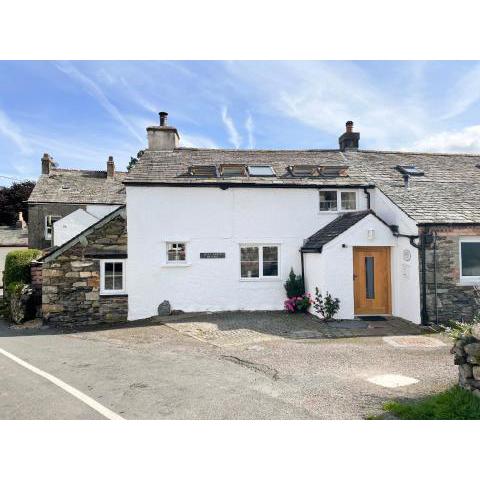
162	137
110	168
47	164
349	140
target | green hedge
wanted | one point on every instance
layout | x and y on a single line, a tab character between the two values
17	266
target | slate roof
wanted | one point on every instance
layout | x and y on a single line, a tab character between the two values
449	192
332	230
13	237
79	187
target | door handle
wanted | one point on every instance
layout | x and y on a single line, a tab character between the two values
354	276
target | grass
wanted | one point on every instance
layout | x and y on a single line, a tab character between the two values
453	404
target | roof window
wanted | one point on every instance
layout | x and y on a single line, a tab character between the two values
333	170
303	170
410	170
232	170
203	171
261	171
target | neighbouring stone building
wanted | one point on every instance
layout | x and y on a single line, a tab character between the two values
83	281
60	192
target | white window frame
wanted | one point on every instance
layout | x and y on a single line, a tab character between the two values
261	277
474	279
48	236
103	290
339	200
176	263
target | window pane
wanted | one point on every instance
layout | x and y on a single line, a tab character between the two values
118	268
470	259
348	200
109	283
261	170
370	277
270	261
249	262
328	200
109	268
118	282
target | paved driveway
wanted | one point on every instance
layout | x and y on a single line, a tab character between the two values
264	366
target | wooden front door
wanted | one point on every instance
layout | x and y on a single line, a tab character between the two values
371	278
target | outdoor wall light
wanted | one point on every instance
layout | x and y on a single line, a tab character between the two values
371	234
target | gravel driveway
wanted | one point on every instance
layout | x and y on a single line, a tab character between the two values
156	371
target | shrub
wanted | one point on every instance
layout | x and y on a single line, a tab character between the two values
20	305
294	285
298	304
17	266
327	307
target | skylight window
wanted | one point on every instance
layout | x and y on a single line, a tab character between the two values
260	171
233	170
303	170
410	170
333	170
203	171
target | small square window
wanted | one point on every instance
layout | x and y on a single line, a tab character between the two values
112	277
176	252
261	171
470	258
328	200
348	200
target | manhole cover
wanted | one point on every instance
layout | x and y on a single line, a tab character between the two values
414	341
391	380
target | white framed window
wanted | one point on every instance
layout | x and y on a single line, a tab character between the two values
176	252
112	277
470	259
337	200
259	261
49	220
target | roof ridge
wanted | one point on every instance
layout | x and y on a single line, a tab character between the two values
433	154
82	170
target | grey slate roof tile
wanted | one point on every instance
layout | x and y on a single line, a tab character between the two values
79	186
333	229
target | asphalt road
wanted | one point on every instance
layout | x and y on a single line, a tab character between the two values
155	372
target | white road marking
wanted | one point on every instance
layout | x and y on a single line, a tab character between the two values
107	413
392	381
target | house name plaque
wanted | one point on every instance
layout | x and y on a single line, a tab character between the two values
212	254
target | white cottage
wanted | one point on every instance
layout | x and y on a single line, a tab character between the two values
213	230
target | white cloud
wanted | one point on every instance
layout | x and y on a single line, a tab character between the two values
249	126
96	92
233	135
196	141
13	133
465	140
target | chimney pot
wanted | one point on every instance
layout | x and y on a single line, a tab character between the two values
110	168
163	119
349	126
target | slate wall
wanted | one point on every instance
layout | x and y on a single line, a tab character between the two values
454	301
71	281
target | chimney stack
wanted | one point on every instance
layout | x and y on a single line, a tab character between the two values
110	168
349	140
162	137
47	164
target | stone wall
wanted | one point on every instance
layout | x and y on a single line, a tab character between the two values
71	280
467	357
454	301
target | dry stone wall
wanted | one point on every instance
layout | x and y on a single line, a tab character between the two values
71	281
467	357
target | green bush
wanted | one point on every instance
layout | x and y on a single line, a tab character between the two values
294	285
17	266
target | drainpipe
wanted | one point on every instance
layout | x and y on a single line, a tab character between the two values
435	275
424	313
303	269
367	193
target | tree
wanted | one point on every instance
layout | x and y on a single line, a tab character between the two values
12	201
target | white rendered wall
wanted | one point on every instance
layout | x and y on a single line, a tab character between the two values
213	220
68	227
336	265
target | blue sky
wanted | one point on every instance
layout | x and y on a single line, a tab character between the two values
81	112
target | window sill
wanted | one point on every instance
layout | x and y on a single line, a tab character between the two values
176	265
113	294
468	282
262	279
336	212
